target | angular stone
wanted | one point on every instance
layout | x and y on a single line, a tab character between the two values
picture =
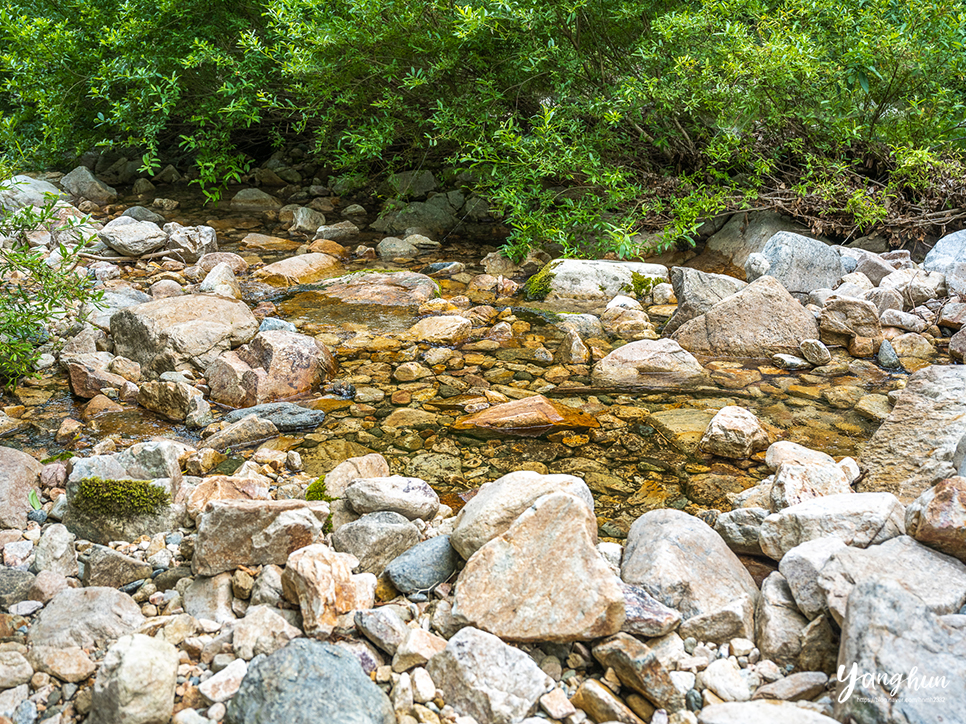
886	632
601	705
639	669
778	622
646	616
275	365
528	417
177	401
223	487
945	253
496	505
418	648
794	484
383	627
543	580
85	617
224	685
656	363
181	332
915	285
937	518
375	539
55	551
221	280
274	689
790	452
905	457
136	682
19	474
858	519
938	580
600	280
112	569
210	598
410	497
845	318
14	670
252	533
320	580
759	321
723	678
801	567
482	677
302	269
801	264
697	292
191	243
684	564
87	380
82	183
734	432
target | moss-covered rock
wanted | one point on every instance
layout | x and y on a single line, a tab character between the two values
97	496
538	286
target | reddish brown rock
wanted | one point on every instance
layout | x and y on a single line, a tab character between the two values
937	518
528	417
261	242
88	381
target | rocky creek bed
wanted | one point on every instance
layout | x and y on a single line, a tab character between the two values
303	471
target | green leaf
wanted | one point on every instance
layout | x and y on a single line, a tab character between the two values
34	500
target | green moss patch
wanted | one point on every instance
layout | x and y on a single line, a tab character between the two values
642	285
317	491
128	498
537	287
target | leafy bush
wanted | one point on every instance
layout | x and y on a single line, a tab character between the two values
584	122
36	292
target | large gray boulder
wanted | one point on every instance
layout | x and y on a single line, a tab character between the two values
20	191
801	264
697	292
82	183
899	662
685	565
744	234
906	457
947	252
308	682
939	580
180	333
190	243
759	321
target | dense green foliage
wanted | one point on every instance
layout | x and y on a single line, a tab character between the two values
584	120
33	291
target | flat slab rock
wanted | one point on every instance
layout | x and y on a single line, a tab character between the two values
906	457
760	712
396	289
527	417
85	617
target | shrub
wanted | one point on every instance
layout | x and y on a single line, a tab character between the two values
36	290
